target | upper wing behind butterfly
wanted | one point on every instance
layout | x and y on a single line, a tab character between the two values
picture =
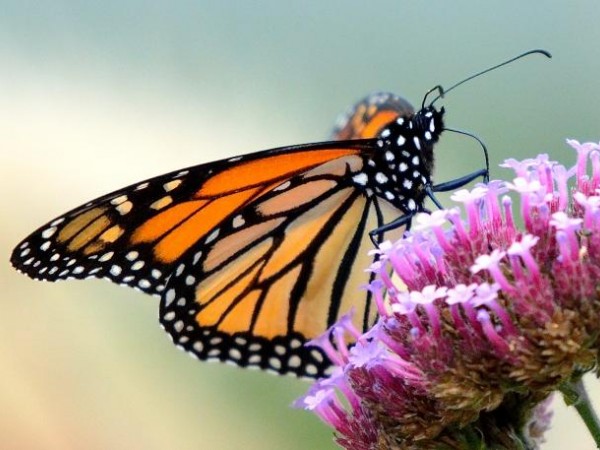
134	236
369	116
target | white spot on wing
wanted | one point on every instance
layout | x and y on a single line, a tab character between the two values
47	233
361	179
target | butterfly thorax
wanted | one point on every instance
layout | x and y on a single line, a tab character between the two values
403	162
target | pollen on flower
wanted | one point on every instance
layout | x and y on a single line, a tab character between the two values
494	317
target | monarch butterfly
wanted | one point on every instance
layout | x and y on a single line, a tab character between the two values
254	255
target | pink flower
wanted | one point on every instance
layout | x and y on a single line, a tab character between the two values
495	317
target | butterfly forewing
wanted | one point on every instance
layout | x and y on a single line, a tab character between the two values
134	236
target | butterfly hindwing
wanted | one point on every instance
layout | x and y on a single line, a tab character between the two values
289	269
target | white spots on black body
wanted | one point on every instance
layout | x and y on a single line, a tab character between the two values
432	126
371	163
361	179
386	133
54	223
400	120
170	185
124	208
132	255
283	186
106	256
238	221
408	184
416	174
416	160
417	142
389	156
381	178
389	195
294	362
401	141
379	143
316	355
428	135
169	297
197	257
280	350
235	354
118	200
402	167
275	363
198	346
138	265
212	236
412	205
178	326
161	202
48	232
254	347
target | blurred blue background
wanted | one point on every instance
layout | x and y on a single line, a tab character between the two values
97	95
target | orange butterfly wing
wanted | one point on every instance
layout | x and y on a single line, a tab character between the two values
369	116
135	235
252	256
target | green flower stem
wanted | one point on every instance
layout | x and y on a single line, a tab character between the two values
575	394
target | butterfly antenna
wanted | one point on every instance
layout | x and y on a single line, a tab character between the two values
441	91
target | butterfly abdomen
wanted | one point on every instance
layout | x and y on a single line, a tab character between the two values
404	160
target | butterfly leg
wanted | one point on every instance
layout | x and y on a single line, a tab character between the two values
460	182
376	235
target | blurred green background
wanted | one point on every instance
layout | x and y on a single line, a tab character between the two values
97	95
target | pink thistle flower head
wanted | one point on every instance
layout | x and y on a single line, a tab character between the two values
495	316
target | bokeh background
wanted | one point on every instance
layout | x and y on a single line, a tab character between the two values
97	95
